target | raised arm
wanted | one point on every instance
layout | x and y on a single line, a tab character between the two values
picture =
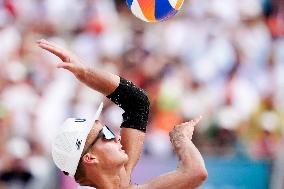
135	103
125	94
191	171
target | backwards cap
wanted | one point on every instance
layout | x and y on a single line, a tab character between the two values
69	142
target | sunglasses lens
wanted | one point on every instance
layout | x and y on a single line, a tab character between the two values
108	134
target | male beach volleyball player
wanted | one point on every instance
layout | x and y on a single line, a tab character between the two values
91	153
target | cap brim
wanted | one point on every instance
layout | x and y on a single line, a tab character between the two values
95	118
98	113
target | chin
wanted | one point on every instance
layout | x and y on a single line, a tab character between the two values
125	157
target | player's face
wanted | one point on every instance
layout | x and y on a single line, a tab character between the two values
106	146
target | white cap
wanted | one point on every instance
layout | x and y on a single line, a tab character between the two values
69	142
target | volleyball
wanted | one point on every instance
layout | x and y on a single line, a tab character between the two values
154	10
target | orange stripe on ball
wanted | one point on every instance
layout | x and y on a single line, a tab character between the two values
179	4
148	9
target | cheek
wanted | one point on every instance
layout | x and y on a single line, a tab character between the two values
109	151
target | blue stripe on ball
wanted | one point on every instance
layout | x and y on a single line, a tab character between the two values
129	3
172	13
163	9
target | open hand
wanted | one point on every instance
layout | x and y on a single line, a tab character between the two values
70	61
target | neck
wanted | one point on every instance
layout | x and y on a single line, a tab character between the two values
109	182
113	179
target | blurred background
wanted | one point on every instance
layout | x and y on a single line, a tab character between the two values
220	59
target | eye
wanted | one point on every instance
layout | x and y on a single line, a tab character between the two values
108	134
105	139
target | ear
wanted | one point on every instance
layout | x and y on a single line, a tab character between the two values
90	159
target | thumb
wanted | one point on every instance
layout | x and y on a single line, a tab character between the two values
193	122
197	120
66	65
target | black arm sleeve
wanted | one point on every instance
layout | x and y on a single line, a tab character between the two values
134	102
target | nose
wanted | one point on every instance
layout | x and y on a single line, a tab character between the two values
117	138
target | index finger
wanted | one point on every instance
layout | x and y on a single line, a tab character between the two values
193	122
54	49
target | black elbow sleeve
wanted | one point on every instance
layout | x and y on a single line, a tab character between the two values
135	103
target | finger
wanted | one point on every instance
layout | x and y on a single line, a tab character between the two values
43	41
66	66
54	45
197	120
193	122
61	54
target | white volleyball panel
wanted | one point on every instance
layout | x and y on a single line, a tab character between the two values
173	3
136	10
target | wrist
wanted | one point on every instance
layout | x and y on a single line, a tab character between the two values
82	74
179	139
177	135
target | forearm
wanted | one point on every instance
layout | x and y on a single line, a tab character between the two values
191	163
101	81
188	154
190	158
190	173
132	141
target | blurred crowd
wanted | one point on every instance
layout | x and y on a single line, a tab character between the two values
220	59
